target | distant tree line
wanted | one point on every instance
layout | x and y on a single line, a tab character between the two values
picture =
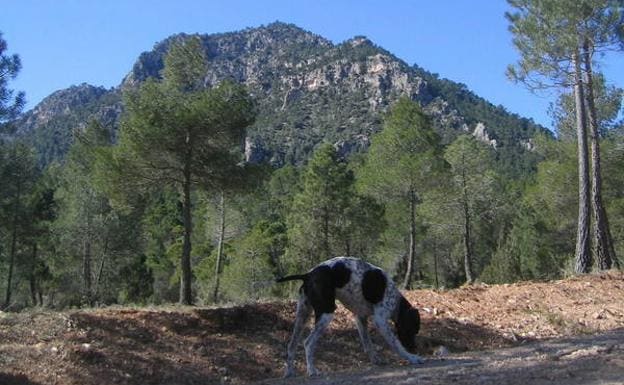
168	211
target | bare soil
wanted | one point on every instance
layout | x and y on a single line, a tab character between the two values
569	331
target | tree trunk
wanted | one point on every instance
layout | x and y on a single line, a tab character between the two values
33	276
86	271
467	245
326	251
215	294
16	204
86	257
467	231
582	255
435	263
603	242
411	256
185	262
98	273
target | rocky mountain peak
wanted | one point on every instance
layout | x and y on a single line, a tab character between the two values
359	40
62	103
308	91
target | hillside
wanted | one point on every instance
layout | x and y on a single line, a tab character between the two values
308	91
247	343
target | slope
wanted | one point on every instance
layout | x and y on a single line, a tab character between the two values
247	343
308	91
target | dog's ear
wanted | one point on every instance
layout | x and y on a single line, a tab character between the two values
407	325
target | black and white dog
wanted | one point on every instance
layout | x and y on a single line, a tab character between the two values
365	290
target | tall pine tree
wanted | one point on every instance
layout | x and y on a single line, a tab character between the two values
178	133
401	164
557	40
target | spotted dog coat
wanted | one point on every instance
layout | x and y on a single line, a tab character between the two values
365	290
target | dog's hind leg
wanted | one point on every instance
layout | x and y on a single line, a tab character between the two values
303	314
322	321
362	326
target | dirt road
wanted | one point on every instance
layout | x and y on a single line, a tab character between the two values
597	359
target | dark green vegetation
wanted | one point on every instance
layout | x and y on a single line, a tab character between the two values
223	161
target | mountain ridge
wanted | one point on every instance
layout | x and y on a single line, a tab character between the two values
309	91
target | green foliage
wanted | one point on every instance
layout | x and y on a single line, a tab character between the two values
17	213
511	132
180	135
402	156
472	197
161	229
539	243
327	217
403	162
525	253
10	105
53	135
133	209
613	164
256	260
164	130
549	33
185	65
93	243
608	100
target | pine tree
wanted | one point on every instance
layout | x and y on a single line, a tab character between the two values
600	28
473	190
607	104
177	133
19	167
314	219
328	218
556	40
401	164
83	224
10	105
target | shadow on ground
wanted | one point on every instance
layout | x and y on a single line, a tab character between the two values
238	344
15	379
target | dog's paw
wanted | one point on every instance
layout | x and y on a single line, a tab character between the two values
290	372
416	360
377	360
313	372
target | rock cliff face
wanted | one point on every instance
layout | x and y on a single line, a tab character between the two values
65	103
50	125
308	91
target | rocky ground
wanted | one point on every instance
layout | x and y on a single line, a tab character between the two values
569	331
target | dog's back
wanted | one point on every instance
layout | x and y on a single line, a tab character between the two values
360	285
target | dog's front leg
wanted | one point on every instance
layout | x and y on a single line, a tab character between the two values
310	343
381	322
303	313
362	326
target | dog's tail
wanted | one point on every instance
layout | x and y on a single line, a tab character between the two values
302	277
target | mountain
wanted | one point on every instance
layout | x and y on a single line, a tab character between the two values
308	91
51	124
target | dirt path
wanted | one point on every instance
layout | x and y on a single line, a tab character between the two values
597	359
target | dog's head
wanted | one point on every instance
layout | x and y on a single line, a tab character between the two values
407	324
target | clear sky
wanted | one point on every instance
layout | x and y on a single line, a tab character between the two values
67	42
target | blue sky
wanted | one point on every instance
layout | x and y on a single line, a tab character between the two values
67	42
